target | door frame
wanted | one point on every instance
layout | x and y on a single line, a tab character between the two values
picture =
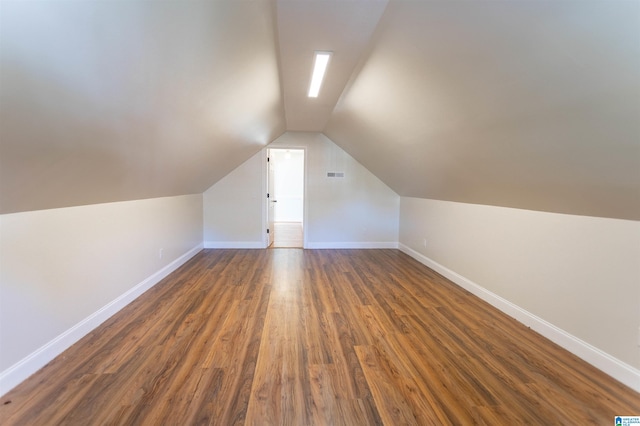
265	189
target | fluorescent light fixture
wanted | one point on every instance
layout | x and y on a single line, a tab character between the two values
319	68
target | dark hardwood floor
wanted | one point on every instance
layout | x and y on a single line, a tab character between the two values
325	337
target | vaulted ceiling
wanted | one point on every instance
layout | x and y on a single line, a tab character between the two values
526	104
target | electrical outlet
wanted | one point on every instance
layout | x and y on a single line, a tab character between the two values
638	336
424	243
160	253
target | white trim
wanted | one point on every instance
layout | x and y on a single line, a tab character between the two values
352	245
33	362
612	366
305	198
234	245
265	190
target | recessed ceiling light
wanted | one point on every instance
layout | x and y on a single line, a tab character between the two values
319	68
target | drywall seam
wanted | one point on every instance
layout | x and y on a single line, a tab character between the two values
612	366
24	368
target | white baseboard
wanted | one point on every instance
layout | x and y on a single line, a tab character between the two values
234	245
612	366
320	245
24	368
353	245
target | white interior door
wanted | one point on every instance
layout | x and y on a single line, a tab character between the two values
271	199
289	185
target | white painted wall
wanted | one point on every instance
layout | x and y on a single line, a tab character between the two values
64	271
357	211
233	207
289	184
580	274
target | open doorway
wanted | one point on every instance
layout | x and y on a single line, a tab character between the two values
286	198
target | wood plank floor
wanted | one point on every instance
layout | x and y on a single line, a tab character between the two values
304	337
287	235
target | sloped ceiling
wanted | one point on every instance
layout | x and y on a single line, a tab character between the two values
118	100
527	104
342	27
